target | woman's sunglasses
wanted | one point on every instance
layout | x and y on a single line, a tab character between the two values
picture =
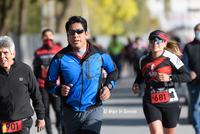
156	40
78	31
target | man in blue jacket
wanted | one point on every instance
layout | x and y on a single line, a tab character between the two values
81	88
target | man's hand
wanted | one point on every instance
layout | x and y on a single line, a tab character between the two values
54	95
40	124
104	93
65	89
163	77
193	75
135	88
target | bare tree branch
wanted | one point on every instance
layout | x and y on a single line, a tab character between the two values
7	13
60	17
21	17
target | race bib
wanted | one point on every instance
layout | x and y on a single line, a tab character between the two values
9	127
160	97
173	95
164	95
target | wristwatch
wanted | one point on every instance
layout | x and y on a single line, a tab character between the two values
41	118
109	86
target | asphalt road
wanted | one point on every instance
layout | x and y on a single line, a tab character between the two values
123	112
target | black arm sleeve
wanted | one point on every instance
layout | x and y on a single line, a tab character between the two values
181	75
36	95
139	79
36	66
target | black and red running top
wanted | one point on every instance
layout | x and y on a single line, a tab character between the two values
42	59
167	63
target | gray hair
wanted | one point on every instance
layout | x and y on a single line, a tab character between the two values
6	41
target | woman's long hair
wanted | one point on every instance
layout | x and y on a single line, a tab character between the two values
173	47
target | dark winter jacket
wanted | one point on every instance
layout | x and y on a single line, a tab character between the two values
17	87
191	59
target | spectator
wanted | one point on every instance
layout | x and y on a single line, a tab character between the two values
191	60
137	53
128	51
116	49
93	41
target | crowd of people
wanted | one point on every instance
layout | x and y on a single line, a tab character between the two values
78	78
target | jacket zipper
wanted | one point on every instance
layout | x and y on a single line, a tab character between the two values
10	96
82	87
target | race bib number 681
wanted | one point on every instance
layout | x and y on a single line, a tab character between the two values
160	97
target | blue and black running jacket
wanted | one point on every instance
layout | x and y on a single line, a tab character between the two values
85	74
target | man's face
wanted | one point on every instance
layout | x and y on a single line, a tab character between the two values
6	58
198	28
48	34
197	33
77	40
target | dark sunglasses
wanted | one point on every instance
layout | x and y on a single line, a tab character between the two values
156	40
78	31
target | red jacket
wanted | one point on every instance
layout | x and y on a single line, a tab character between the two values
42	60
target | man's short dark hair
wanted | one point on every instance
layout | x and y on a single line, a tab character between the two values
195	28
46	30
76	19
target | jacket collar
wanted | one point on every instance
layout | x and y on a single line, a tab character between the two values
12	66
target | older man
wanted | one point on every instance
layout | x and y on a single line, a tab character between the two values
17	85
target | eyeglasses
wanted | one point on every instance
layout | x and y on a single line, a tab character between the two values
156	40
78	31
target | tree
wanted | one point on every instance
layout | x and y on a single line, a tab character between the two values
60	16
7	9
142	22
33	21
105	16
19	16
108	16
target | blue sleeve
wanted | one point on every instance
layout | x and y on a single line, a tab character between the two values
52	76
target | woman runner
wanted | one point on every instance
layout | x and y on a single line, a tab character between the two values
160	69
